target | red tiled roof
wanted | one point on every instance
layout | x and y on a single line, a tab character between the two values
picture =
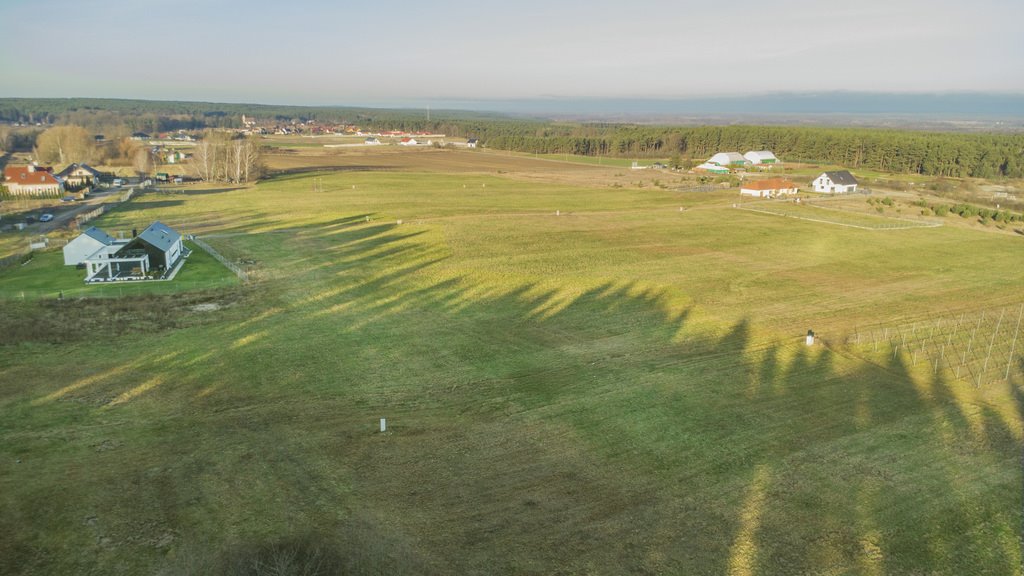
769	184
22	175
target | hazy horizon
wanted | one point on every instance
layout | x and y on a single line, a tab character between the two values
320	53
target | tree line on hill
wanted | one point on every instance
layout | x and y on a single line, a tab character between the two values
943	154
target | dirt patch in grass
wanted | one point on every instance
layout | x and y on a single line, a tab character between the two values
69	320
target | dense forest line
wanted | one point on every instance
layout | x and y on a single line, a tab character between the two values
944	154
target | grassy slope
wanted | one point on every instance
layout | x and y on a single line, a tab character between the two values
617	389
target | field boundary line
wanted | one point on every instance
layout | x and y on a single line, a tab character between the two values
873	229
917	224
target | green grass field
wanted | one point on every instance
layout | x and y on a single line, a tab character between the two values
619	388
834	215
46	276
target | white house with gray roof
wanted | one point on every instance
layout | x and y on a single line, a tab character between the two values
87	244
155	252
838	182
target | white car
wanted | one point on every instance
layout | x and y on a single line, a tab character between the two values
46	217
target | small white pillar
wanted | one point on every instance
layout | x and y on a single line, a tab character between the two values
810	337
383	424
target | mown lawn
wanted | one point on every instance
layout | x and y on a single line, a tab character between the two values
46	276
618	388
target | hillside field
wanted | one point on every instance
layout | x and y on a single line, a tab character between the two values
577	379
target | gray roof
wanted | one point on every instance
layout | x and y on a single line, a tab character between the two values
99	235
841	177
72	167
160	235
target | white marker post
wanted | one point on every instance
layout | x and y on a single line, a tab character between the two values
383	424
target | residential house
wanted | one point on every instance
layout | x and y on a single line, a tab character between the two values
472	143
156	251
79	175
86	244
839	182
761	158
32	180
770	188
729	159
372	141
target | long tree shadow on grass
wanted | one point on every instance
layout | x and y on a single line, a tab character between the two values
537	428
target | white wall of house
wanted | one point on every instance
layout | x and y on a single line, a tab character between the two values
173	253
76	251
825	184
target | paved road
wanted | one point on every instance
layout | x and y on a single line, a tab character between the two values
63	213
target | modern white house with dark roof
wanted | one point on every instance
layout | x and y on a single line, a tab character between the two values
156	252
838	182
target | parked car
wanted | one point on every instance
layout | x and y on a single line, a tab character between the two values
68	199
118	181
46	217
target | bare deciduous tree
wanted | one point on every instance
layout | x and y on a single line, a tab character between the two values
221	159
65	144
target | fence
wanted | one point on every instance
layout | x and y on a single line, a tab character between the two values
702	188
978	347
14	259
87	216
238	270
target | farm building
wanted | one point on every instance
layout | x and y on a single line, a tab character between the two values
729	159
472	143
712	168
159	249
769	188
32	180
79	175
840	182
174	157
371	141
408	142
761	158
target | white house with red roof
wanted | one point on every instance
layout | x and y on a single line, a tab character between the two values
32	180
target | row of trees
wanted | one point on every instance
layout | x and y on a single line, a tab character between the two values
220	158
927	153
901	151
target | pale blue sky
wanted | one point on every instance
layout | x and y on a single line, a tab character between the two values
323	52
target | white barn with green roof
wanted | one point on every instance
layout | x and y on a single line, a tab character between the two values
761	157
